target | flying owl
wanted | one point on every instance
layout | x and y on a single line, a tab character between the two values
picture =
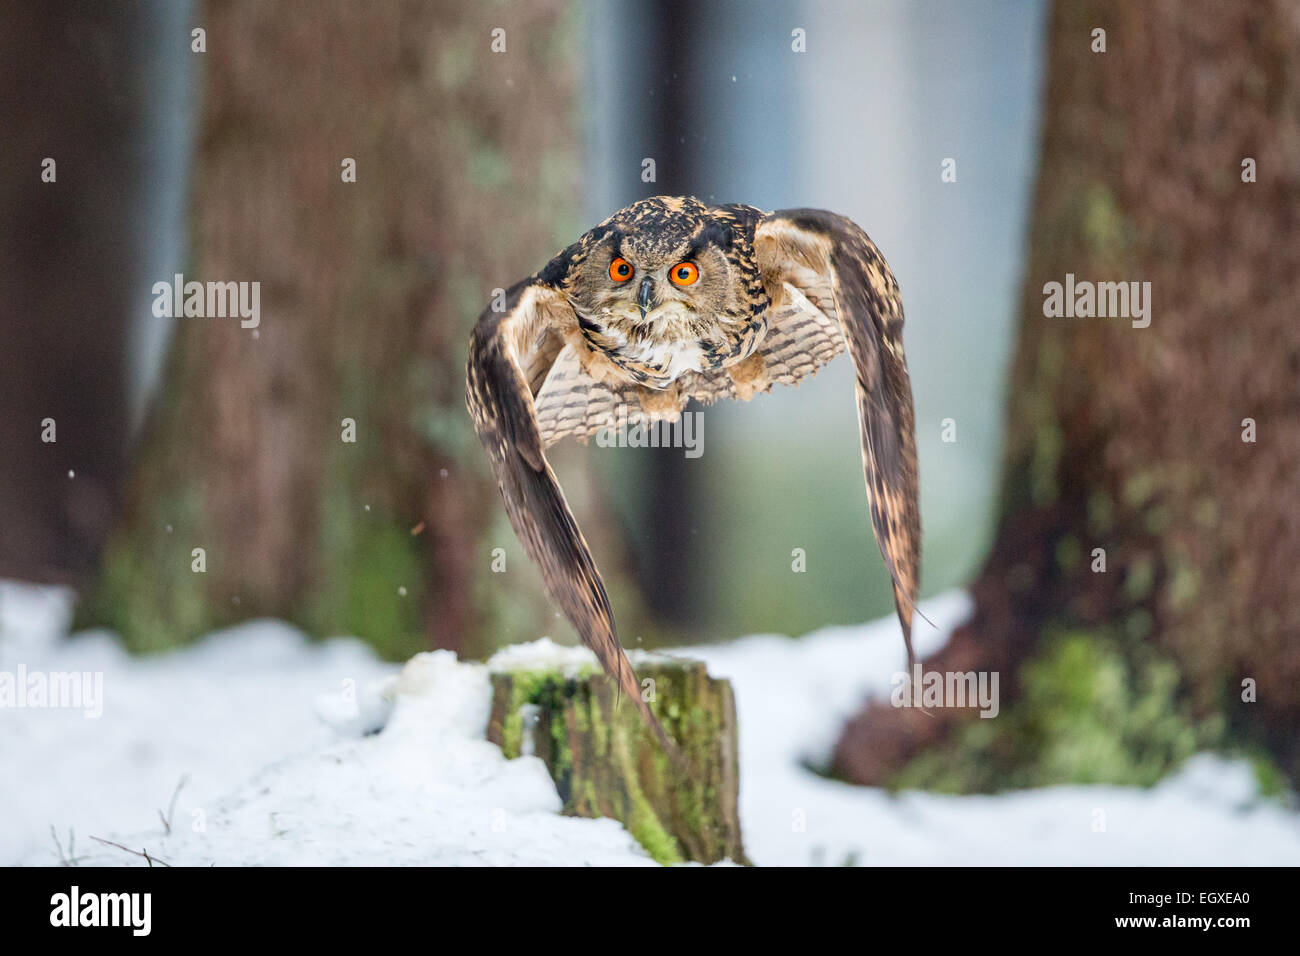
671	299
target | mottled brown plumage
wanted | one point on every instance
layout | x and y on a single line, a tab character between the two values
577	347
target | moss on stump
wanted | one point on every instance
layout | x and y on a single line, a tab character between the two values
606	763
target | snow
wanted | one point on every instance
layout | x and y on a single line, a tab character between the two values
545	654
271	738
793	696
428	790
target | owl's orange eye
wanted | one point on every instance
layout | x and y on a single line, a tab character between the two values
620	270
684	273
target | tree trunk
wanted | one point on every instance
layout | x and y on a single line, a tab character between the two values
606	763
1136	440
75	187
466	176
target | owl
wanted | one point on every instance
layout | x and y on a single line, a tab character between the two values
671	299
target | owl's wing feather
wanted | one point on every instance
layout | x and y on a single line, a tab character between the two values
572	403
500	400
800	339
838	270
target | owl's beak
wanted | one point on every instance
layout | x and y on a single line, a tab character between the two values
643	295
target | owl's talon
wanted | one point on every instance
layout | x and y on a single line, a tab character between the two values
750	377
661	404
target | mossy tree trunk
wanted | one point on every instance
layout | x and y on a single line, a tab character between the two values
467	178
1131	439
606	763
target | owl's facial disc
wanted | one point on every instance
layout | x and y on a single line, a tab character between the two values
640	292
654	300
653	283
662	284
657	290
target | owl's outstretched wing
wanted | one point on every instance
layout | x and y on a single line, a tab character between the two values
510	353
817	268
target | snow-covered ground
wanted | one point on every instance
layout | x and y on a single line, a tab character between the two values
265	733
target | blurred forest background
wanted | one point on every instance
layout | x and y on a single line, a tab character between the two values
485	137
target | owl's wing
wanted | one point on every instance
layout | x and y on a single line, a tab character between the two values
510	353
570	402
828	262
800	339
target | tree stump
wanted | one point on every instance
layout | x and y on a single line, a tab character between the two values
555	703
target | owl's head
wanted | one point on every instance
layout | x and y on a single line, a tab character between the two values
662	263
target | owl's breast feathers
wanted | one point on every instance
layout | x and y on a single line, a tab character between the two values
657	354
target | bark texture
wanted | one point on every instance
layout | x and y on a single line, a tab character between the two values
606	763
1131	439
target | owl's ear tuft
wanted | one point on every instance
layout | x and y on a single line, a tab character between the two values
715	234
554	272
